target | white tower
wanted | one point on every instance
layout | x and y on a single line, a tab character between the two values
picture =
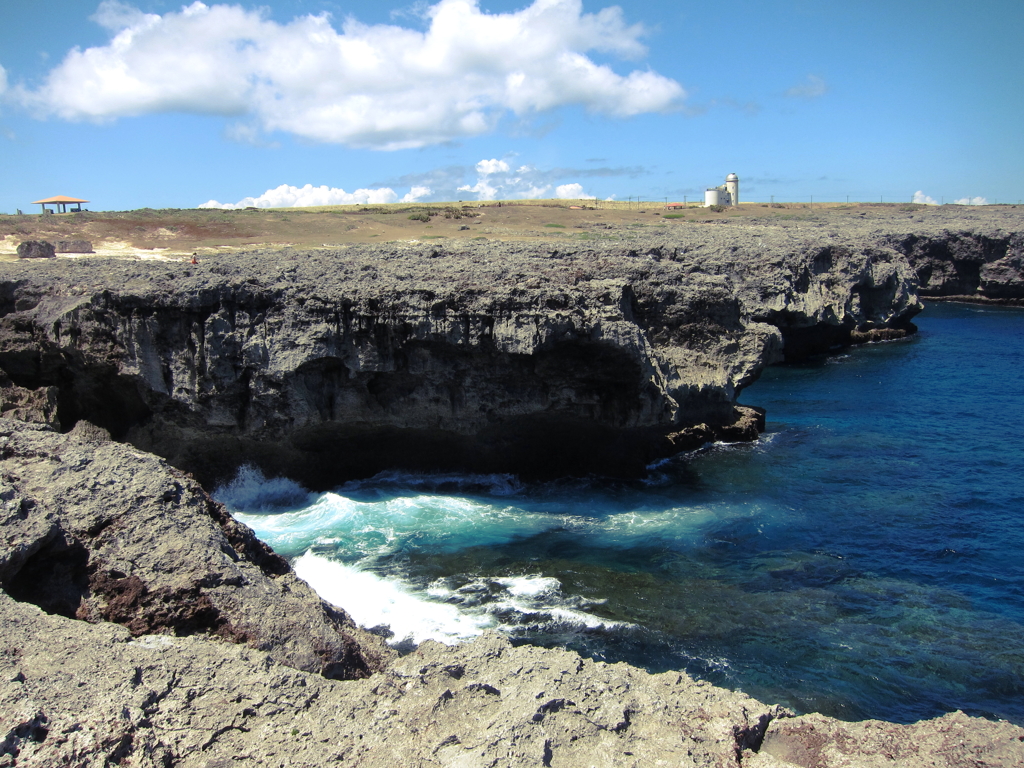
732	186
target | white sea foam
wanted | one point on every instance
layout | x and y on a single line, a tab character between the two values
530	586
251	491
679	524
340	536
442	612
523	601
584	619
372	601
364	528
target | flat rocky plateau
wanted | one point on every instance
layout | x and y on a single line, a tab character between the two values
143	626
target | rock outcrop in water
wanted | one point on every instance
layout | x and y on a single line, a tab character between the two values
335	364
140	626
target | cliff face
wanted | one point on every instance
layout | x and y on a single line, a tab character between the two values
488	357
967	265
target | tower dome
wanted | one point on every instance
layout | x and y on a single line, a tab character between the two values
732	187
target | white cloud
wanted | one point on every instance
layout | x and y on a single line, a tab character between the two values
497	181
971	201
286	196
572	192
812	88
481	189
246	133
922	199
3	80
494	180
378	86
485	167
417	193
117	16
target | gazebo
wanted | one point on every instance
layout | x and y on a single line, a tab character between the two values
62	202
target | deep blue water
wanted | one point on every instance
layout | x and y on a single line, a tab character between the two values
863	559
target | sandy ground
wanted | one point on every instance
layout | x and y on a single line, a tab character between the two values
177	234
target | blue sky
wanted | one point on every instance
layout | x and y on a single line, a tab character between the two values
175	105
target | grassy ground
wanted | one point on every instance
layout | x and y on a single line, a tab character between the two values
178	233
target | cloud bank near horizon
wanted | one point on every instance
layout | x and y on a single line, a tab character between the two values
922	199
368	86
495	180
287	196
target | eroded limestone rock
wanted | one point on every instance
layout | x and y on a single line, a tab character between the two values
74	246
96	531
36	249
335	364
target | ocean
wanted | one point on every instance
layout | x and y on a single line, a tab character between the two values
863	559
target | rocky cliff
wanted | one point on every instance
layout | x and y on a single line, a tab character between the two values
977	257
331	364
141	625
96	531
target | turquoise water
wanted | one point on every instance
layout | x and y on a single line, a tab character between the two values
863	559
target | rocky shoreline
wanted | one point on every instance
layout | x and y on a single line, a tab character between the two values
143	626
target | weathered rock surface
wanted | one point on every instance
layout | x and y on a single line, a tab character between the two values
952	740
73	693
334	364
35	405
978	257
36	249
74	246
94	530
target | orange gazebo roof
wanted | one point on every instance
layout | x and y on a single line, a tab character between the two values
60	199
